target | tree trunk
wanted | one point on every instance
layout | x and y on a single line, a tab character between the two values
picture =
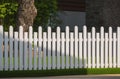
26	14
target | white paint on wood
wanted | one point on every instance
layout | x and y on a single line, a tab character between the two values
93	47
6	65
118	47
35	52
80	50
97	50
21	48
89	50
53	50
110	47
63	49
71	51
102	46
25	51
1	48
40	48
114	50
106	50
49	48
44	50
11	47
67	47
58	47
15	50
30	48
76	46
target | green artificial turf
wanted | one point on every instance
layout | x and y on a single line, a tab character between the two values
55	72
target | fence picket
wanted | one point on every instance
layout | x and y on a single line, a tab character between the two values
1	48
25	50
93	47
35	51
76	46
44	50
102	46
30	48
110	47
67	47
114	50
11	47
106	50
58	47
15	50
21	48
89	50
80	51
53	50
63	49
85	46
118	46
97	50
40	48
6	50
49	47
71	51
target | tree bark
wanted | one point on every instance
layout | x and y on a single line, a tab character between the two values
26	14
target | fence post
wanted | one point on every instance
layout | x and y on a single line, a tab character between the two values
67	47
49	48
93	47
110	47
1	48
11	46
40	48
102	46
85	46
76	46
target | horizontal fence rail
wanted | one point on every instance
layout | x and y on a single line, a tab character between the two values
59	50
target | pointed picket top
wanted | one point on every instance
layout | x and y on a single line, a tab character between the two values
40	29
30	28
11	29
84	27
49	29
76	28
110	32
58	28
1	29
1	26
67	28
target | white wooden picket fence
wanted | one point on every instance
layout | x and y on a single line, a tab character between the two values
59	50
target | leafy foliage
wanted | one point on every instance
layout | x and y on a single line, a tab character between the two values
47	14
